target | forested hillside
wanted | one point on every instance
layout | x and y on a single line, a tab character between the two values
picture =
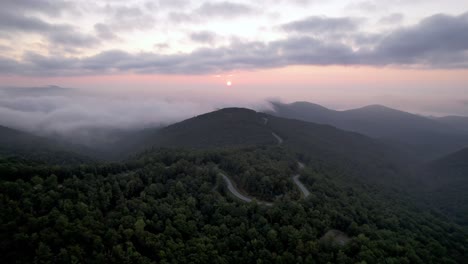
22	144
243	127
225	127
446	184
352	153
425	138
170	206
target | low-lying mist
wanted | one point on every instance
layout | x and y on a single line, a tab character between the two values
83	115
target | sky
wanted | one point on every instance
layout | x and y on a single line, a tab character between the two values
411	55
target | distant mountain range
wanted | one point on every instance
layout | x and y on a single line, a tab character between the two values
456	163
456	122
373	144
232	127
425	137
414	137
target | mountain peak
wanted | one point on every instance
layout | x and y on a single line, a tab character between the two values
234	110
377	107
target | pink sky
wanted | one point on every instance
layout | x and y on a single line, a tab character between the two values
411	55
437	92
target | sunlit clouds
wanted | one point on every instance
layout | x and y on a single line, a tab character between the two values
42	37
339	53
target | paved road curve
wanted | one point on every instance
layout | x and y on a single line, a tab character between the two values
280	140
296	180
299	184
236	193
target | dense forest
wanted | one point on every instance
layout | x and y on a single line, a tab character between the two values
264	172
171	206
168	200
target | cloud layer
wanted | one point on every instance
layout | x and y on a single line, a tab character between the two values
320	25
63	111
437	41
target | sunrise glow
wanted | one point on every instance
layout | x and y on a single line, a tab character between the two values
339	53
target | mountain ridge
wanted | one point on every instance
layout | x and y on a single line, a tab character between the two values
23	144
425	137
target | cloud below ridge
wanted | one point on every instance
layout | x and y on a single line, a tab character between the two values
49	110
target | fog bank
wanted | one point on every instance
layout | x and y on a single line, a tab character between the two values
56	110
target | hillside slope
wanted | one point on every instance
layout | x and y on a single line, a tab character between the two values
226	127
457	122
446	184
352	153
425	137
17	143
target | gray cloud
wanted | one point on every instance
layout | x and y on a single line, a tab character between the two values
240	55
31	17
166	4
301	2
10	66
183	17
209	10
5	48
317	24
368	6
18	22
296	2
56	34
161	46
72	38
366	40
104	31
203	37
128	18
125	11
224	9
394	18
48	7
439	41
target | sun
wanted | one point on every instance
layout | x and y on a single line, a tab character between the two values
228	83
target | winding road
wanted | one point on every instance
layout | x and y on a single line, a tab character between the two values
280	140
295	178
239	195
299	184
